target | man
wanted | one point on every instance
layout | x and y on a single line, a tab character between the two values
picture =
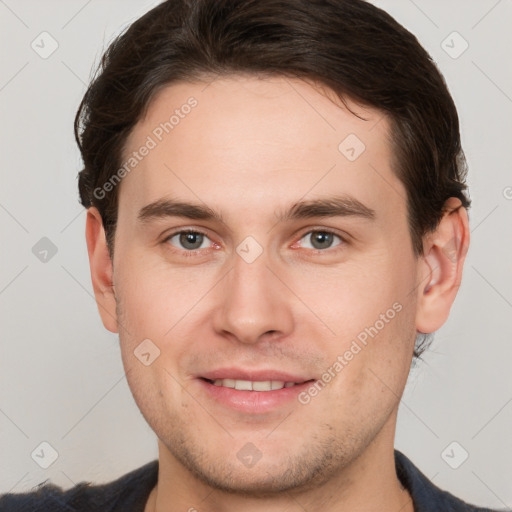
276	221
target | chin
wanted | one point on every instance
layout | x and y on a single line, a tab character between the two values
298	468
266	481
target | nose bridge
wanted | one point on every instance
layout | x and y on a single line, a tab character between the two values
254	301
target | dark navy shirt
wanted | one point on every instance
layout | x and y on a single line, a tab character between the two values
130	494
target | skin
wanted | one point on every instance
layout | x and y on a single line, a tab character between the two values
250	149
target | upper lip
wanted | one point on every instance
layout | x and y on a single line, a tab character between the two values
253	375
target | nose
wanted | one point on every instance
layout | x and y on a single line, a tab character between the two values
255	304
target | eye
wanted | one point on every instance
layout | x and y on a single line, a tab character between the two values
319	240
189	240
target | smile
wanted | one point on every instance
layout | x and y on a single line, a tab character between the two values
248	385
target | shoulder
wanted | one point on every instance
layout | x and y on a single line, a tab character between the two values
130	490
425	495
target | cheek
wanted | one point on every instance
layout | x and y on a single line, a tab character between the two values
353	296
166	306
372	313
373	365
153	296
148	308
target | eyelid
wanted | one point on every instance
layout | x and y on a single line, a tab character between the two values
344	237
191	252
177	231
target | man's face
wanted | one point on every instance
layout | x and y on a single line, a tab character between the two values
269	291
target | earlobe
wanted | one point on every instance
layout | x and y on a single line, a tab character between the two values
441	267
101	268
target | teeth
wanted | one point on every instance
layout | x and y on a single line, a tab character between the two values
247	385
243	385
262	386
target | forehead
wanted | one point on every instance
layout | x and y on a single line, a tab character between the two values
263	139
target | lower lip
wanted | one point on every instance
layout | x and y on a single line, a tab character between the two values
256	402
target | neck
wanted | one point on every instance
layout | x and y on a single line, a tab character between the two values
369	482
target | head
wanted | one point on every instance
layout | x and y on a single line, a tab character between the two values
271	185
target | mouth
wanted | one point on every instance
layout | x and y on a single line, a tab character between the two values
252	392
254	385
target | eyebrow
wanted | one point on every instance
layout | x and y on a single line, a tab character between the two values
170	208
335	206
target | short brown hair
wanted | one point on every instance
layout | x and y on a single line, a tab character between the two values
350	46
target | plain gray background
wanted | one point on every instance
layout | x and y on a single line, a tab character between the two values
61	378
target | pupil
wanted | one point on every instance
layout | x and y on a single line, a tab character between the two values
191	240
322	240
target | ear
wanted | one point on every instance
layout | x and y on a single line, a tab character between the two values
441	267
101	269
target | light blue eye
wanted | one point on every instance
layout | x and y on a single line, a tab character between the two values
189	240
319	240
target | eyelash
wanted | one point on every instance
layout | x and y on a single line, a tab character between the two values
198	252
191	253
